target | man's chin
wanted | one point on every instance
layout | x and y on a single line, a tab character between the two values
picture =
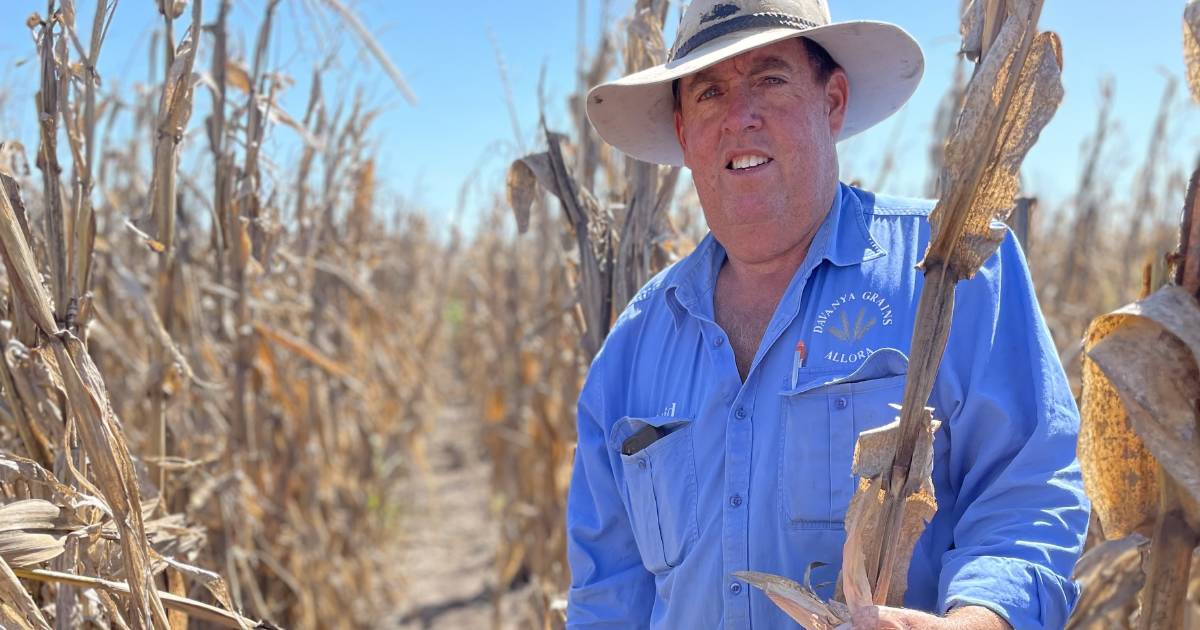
751	212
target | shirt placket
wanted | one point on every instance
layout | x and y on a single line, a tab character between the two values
739	440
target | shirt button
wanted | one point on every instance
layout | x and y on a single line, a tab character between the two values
642	464
735	588
735	500
740	414
718	341
841	403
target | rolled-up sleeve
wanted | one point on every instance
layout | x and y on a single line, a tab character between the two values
1021	510
610	588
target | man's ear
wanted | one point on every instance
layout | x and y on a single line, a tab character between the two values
837	97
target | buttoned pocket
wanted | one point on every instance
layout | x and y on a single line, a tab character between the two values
661	484
823	416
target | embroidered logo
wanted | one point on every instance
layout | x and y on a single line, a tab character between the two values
850	325
860	327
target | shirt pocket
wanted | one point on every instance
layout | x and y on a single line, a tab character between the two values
822	417
661	484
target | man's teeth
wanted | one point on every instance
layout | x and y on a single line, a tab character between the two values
748	161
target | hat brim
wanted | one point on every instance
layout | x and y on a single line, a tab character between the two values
883	63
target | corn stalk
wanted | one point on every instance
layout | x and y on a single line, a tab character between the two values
1139	445
335	389
99	428
979	185
618	231
1014	92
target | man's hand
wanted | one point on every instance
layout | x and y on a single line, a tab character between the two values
962	618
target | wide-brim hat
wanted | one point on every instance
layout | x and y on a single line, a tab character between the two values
883	64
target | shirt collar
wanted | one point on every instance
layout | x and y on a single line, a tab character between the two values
843	239
848	241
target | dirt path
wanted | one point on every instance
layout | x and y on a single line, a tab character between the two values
449	555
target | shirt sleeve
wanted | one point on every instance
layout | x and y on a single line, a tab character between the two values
1021	510
610	588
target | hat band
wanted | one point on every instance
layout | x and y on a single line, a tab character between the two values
742	22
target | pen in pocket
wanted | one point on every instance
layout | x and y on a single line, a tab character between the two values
798	361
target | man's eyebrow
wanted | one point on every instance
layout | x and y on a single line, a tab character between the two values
703	76
770	63
765	64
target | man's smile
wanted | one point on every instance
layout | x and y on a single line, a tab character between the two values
746	162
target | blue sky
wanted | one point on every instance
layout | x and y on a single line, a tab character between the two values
460	130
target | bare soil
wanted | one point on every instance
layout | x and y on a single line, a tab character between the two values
448	559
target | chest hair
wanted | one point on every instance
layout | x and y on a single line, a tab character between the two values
744	322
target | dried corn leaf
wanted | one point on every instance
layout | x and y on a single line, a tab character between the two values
521	187
237	76
862	514
115	475
875	448
10	618
355	24
26	548
594	233
1110	576
1191	46
305	350
23	272
1142	382
29	514
14	468
797	600
971	30
155	246
644	45
198	610
861	556
17	609
988	183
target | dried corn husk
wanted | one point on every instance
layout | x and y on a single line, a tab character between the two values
1141	366
1191	46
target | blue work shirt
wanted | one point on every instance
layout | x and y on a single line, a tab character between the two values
755	475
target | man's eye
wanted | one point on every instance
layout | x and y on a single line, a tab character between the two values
707	94
774	80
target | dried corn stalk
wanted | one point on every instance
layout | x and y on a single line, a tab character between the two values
617	237
1191	45
799	601
1110	577
1140	440
1139	403
619	248
1014	92
336	386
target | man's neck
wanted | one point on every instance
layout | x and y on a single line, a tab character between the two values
765	280
748	292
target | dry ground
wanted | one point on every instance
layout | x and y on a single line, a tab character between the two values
449	554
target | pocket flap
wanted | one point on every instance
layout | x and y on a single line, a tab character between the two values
625	427
882	363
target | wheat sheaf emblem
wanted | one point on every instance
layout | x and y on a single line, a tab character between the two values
846	333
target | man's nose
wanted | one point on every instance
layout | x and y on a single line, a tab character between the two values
742	113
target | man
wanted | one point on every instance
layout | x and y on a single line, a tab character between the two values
717	424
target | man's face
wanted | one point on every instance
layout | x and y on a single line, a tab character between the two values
758	132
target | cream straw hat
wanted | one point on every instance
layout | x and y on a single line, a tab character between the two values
882	62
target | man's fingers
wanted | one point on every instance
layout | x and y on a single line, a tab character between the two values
866	618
